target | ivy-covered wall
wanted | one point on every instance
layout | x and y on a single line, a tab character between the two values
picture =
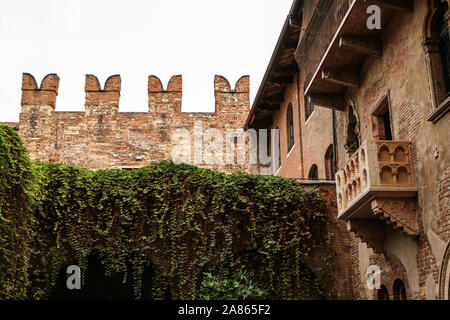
180	218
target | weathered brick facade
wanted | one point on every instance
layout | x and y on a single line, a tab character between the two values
383	84
378	87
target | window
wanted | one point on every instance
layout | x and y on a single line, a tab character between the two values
383	293
399	290
330	167
381	121
444	45
313	173
277	149
437	55
309	108
269	142
290	127
352	134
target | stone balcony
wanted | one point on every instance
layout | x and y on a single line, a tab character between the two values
375	188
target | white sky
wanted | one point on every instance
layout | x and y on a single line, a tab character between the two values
196	38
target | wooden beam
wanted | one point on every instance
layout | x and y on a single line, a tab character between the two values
399	5
328	100
347	78
367	45
285	71
281	79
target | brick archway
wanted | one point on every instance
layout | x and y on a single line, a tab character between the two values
444	275
392	270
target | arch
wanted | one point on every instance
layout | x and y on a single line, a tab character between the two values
354	189
364	178
444	275
309	107
400	154
290	127
386	175
384	154
313	172
340	203
97	284
437	50
363	157
399	290
352	138
330	165
383	293
277	148
402	175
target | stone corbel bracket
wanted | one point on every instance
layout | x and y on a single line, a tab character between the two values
400	213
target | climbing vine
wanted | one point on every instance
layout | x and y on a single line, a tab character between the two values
185	220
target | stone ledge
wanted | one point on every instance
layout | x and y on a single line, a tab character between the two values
440	111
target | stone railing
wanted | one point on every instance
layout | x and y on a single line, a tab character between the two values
377	166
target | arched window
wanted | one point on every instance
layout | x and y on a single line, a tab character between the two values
313	173
309	108
383	293
352	139
437	54
290	127
277	149
399	290
444	45
330	167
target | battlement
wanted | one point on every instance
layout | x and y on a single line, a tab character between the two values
45	95
107	99
102	137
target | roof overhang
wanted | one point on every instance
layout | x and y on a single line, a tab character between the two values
282	67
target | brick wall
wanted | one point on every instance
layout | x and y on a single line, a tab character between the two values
339	279
102	137
313	136
401	75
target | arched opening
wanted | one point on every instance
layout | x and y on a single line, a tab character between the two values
352	139
437	53
444	44
277	149
383	293
290	127
330	166
444	275
313	173
309	107
97	285
399	290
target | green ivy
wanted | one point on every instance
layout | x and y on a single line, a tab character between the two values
240	287
183	219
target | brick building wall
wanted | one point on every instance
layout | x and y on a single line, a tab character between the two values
312	136
102	137
400	74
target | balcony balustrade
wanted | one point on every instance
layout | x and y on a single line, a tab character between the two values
378	184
